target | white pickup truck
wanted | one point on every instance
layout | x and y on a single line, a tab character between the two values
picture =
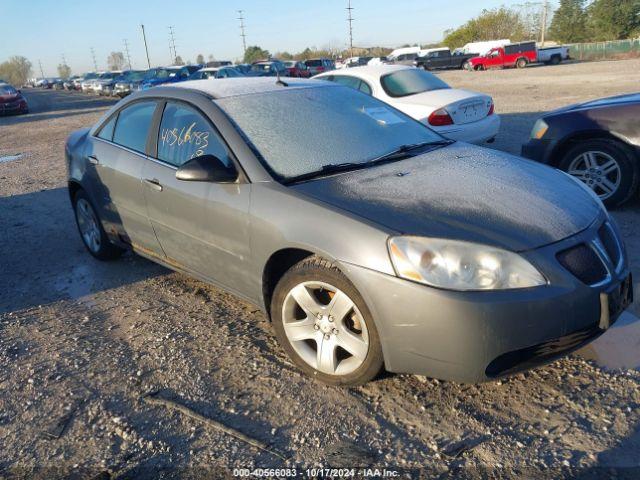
553	55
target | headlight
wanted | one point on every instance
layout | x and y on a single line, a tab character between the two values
539	129
462	266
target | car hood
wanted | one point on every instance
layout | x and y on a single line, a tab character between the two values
633	98
464	193
9	98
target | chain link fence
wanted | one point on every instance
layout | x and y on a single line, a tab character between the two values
618	49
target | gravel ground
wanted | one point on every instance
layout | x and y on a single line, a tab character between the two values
82	343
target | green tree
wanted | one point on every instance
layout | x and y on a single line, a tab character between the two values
283	55
491	24
614	19
178	60
569	24
200	59
255	53
64	70
16	70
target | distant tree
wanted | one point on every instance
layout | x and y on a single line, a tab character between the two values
211	57
569	24
64	70
491	24
614	19
200	59
255	53
16	70
116	61
178	60
283	55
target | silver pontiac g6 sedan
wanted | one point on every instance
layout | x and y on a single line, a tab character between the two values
368	239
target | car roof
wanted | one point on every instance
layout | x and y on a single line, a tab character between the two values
367	72
233	87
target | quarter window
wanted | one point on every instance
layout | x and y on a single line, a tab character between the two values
184	134
106	132
132	127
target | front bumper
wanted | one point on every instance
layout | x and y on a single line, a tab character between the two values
478	336
539	150
13	107
474	132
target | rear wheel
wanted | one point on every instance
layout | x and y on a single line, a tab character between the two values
324	325
93	236
521	63
605	166
555	60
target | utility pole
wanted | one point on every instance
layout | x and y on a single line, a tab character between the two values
543	31
41	71
126	49
350	19
172	43
93	55
144	38
242	33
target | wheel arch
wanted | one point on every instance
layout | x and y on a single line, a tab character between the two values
276	266
558	153
74	187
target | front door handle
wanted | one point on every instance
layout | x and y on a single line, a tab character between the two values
93	160
153	184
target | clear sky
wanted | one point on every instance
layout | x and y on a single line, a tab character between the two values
46	29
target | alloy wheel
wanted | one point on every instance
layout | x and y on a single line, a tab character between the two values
325	328
88	224
599	171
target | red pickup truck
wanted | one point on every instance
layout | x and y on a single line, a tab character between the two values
515	55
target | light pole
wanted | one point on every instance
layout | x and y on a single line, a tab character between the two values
144	38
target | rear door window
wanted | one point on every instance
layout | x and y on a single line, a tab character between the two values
347	81
132	127
185	134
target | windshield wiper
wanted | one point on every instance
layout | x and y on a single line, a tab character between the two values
400	153
403	151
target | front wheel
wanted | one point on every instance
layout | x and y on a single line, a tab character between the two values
605	166
324	325
521	63
93	236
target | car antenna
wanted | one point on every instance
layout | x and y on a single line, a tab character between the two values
279	81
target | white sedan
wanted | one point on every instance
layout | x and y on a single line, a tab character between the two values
455	114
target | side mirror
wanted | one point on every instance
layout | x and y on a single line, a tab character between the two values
207	168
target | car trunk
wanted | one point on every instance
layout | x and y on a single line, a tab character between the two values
463	106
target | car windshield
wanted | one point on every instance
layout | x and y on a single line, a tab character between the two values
290	64
261	67
411	81
135	76
302	130
90	76
313	63
107	76
7	90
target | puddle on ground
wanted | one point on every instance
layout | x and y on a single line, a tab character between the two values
619	347
10	158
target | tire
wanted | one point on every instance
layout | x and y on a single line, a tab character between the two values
91	231
555	60
312	280
465	65
479	68
521	63
580	159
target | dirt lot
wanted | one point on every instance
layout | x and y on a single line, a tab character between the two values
81	343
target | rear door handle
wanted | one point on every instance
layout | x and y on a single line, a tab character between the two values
93	160
153	184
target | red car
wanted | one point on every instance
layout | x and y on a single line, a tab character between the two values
11	100
297	69
515	55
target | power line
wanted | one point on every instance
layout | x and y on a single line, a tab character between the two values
350	20
172	43
144	38
242	32
126	49
93	55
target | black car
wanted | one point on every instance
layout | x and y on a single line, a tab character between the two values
597	142
443	58
270	68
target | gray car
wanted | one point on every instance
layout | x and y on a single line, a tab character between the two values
370	241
